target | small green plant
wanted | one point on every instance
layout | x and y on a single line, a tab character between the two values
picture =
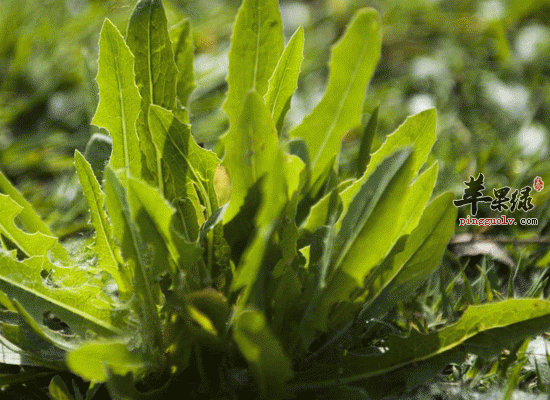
258	274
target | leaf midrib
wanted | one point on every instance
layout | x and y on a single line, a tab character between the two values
341	103
59	304
122	108
284	73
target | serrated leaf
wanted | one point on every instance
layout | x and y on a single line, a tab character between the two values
256	45
416	198
485	329
32	244
418	131
92	360
352	64
119	99
261	349
73	295
182	46
185	165
155	70
106	249
28	216
284	81
162	216
134	249
419	259
149	41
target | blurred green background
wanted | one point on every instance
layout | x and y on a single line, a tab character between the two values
485	65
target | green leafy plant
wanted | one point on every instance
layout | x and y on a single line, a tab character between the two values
257	273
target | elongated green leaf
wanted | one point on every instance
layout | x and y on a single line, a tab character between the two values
242	227
162	216
135	252
256	45
119	99
265	355
28	216
252	151
58	390
155	69
368	232
322	249
185	165
370	201
421	256
106	249
73	295
182	46
369	131
251	261
352	64
484	329
416	198
270	167
320	211
149	41
284	81
32	244
295	170
418	131
91	360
